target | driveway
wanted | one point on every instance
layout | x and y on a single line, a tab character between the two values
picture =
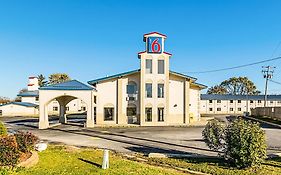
185	140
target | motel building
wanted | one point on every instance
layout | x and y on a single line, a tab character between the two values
152	95
235	104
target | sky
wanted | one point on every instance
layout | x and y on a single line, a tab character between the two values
90	39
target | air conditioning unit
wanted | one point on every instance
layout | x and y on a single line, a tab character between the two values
131	98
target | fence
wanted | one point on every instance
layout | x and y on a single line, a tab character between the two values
273	112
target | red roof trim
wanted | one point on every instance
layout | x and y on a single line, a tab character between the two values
154	33
30	84
168	53
141	52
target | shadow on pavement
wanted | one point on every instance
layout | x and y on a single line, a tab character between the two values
138	147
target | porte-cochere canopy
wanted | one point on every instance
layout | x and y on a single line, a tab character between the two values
64	93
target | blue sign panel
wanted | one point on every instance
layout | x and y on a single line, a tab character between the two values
154	44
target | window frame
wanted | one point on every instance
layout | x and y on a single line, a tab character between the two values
159	94
55	108
146	90
160	115
135	111
134	89
104	114
159	68
146	114
148	62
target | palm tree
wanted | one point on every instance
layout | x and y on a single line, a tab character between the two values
41	80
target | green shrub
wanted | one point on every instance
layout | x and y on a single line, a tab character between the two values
242	142
3	129
245	143
26	141
9	154
213	135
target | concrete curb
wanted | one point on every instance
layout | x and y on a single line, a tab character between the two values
261	121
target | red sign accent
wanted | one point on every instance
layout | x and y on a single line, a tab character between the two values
155	43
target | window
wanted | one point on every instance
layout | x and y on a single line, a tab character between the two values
55	108
67	108
259	101
231	101
160	90
36	98
131	111
239	109
161	66
251	101
160	114
148	114
271	102
95	99
239	101
131	89
278	102
218	109
108	114
148	66
83	108
218	101
231	109
210	109
1	112
210	101
95	115
148	90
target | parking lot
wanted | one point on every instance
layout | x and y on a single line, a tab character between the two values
183	140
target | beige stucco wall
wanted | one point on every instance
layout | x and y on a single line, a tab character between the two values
29	100
18	110
107	96
47	96
194	104
176	102
155	78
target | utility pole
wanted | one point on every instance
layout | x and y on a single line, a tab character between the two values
267	74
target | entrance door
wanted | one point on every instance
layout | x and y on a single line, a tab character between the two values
132	115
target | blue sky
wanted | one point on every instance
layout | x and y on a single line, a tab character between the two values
92	39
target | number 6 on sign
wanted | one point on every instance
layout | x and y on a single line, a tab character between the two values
154	45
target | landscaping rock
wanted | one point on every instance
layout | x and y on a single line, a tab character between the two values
31	161
41	147
157	155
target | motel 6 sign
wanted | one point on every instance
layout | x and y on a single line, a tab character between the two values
154	45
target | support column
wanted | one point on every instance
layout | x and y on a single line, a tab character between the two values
121	117
43	117
62	117
186	102
90	114
90	121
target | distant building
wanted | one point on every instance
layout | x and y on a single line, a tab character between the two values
235	104
29	103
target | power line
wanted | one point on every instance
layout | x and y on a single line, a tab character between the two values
275	82
236	67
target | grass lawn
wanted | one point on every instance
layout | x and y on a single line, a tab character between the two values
60	160
219	167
